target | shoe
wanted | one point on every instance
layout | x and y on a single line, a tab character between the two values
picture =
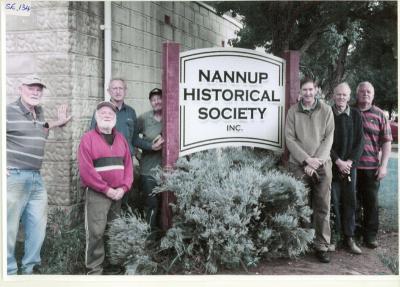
113	270
323	256
332	247
372	244
353	248
37	269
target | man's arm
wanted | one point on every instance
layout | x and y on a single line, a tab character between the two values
324	150
382	170
128	169
128	174
291	141
87	172
138	129
385	138
358	143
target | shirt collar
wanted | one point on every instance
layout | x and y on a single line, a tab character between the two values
123	106
337	112
25	109
308	109
367	110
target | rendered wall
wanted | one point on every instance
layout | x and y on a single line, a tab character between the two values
63	43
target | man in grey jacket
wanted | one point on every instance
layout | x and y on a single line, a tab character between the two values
309	137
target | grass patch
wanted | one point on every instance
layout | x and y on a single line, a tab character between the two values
390	261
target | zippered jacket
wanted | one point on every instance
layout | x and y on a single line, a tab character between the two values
101	165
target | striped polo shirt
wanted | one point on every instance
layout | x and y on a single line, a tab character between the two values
26	137
376	133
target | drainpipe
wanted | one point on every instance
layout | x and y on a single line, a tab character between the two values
107	47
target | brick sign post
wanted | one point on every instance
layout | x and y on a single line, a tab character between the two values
243	92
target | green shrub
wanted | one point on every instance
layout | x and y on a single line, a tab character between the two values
127	244
233	209
63	251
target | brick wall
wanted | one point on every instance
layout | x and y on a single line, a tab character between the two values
63	43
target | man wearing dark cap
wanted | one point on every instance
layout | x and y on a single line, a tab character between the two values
105	168
27	132
150	127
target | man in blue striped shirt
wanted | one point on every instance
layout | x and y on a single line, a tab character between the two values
27	132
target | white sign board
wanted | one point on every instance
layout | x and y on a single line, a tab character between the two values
230	97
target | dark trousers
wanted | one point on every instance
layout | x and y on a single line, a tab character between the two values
99	210
344	204
367	193
148	183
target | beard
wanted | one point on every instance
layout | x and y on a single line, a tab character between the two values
106	126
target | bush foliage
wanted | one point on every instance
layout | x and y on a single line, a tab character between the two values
127	244
63	250
233	208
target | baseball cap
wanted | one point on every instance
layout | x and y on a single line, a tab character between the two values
33	80
155	91
107	104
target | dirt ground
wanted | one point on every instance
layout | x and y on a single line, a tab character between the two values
342	262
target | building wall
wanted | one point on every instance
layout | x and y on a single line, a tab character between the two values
140	28
63	43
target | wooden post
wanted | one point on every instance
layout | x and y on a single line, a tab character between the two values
170	152
292	85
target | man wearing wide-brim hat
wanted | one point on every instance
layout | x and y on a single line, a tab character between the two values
27	132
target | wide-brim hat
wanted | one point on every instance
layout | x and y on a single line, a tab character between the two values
33	80
107	104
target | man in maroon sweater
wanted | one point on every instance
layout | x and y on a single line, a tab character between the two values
105	168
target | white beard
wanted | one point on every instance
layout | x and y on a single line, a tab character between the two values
105	126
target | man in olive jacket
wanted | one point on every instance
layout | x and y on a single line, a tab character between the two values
309	137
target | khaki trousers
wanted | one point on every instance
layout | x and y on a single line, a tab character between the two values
320	198
99	210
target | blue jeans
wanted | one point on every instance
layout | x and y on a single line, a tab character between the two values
26	202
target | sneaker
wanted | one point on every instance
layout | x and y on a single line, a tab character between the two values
371	244
352	246
323	256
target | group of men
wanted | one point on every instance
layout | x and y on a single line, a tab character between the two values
341	147
105	165
105	158
341	153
